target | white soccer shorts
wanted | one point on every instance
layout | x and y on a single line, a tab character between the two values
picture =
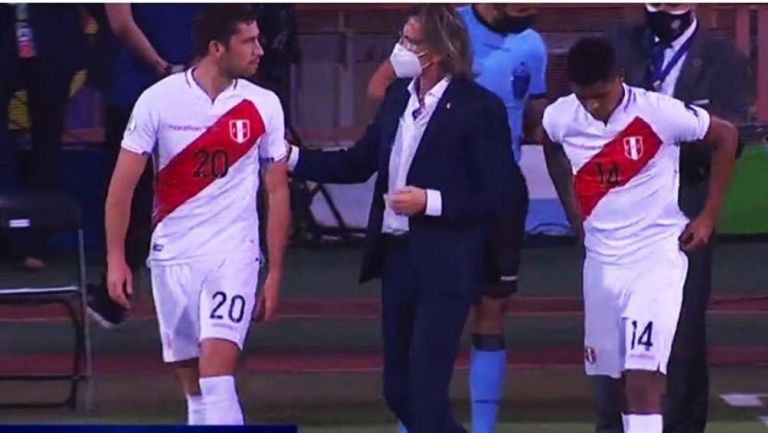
631	312
207	298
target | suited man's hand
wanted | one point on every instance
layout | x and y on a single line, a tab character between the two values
408	201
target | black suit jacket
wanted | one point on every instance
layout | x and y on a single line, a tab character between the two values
465	153
714	76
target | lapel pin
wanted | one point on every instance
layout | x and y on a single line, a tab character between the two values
448	106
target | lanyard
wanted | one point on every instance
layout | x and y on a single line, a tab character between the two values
25	41
659	76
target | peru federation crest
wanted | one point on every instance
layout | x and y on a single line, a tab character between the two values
633	147
240	130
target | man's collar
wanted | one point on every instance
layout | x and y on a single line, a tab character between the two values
435	92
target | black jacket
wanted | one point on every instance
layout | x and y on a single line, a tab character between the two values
465	153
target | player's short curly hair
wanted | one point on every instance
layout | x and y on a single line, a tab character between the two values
445	35
592	60
218	22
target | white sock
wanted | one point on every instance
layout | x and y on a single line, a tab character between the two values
195	410
220	402
643	423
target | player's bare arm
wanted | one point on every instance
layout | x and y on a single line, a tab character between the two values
117	210
559	168
532	115
125	28
380	80
722	137
278	224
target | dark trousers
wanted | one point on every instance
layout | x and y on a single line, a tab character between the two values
422	325
137	238
8	156
47	95
687	399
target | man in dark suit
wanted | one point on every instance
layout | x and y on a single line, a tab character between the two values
440	145
672	53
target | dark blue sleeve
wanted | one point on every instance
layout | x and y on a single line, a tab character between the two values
354	165
491	166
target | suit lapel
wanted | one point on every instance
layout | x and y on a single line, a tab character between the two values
692	67
439	120
638	69
393	111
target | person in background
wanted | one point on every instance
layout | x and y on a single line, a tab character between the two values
144	43
672	53
42	46
509	59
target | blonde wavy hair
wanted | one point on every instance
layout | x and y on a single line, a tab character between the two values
445	36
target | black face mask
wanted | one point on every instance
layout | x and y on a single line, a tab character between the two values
667	26
507	24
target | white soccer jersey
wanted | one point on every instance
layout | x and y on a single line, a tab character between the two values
626	170
207	156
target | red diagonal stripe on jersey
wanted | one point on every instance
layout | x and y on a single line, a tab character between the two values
620	160
234	133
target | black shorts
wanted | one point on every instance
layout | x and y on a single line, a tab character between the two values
502	250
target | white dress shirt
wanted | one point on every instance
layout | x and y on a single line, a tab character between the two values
668	85
410	130
412	125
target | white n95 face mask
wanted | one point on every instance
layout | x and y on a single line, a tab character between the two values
405	63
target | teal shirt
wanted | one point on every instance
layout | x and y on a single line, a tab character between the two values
512	66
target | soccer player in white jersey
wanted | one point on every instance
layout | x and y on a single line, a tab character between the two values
612	151
209	133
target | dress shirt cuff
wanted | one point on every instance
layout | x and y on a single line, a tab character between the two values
434	203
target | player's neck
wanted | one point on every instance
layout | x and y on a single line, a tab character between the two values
209	78
615	106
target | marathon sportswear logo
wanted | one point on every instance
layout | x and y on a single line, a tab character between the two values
239	130
612	167
186	128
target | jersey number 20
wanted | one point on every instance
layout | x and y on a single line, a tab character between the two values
211	163
236	307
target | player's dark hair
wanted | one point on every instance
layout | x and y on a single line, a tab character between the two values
218	22
591	60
